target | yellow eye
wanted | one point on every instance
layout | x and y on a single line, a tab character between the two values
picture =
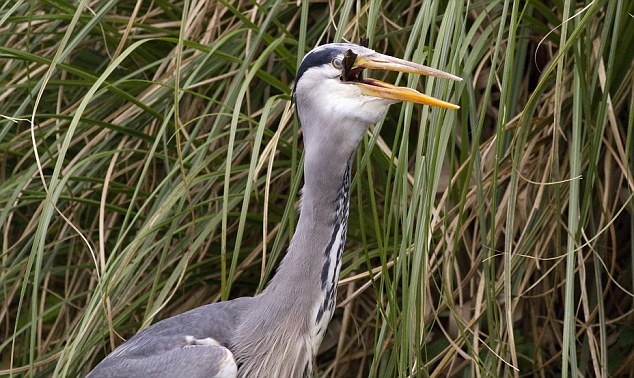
337	63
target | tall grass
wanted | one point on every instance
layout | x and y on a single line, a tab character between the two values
151	163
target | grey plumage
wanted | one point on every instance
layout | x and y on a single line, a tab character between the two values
176	346
277	333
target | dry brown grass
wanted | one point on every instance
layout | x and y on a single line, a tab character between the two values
482	242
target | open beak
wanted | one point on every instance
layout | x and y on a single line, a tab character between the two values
377	88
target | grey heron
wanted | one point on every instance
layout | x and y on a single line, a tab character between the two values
277	332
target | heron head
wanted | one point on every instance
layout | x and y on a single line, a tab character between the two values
335	101
330	79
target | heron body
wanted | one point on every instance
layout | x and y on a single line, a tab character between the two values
277	333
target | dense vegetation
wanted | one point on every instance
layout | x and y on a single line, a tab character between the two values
151	162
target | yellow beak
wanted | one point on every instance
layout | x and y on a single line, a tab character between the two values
377	88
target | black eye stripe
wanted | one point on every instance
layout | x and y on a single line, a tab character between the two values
325	55
316	59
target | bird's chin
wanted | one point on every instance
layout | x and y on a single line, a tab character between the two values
374	109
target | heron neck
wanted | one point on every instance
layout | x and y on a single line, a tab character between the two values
290	316
309	273
321	226
292	313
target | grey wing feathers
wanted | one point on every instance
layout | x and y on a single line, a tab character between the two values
192	344
191	361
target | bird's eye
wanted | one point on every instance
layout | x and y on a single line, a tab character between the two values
337	63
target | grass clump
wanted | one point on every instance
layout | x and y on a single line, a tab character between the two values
150	163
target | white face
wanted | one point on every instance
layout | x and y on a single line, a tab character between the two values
321	90
334	114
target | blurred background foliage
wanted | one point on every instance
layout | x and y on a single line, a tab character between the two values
150	162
